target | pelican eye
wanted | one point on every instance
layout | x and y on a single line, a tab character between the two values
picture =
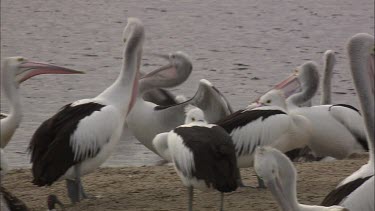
20	59
193	119
268	101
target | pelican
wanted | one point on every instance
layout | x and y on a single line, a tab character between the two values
280	176
203	155
82	135
356	192
266	126
160	118
338	130
16	70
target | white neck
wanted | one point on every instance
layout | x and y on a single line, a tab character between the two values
359	55
309	78
120	92
327	77
11	122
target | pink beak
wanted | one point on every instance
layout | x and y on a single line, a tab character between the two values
289	86
35	68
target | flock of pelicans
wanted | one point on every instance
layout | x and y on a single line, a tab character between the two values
206	141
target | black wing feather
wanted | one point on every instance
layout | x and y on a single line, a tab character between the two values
243	117
51	153
336	196
214	156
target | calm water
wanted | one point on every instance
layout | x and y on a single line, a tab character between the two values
242	47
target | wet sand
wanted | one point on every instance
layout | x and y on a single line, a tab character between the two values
159	188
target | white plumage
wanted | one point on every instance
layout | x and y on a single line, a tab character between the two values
356	192
82	135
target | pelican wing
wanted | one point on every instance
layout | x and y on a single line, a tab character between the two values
212	102
337	195
208	98
351	118
252	128
362	198
72	135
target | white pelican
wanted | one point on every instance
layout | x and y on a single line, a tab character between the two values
203	155
82	135
158	118
338	130
280	176
356	192
15	70
266	126
329	61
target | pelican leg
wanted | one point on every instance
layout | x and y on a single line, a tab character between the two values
221	201
190	202
239	180
261	183
81	191
73	192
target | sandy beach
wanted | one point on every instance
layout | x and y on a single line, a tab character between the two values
159	188
243	47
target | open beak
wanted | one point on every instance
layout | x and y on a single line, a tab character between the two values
290	85
166	71
31	69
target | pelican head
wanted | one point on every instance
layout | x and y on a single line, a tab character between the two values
23	69
170	75
308	79
194	114
133	25
267	168
279	175
274	97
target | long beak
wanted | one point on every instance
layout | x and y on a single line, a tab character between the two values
255	104
277	191
32	69
290	85
163	56
163	68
